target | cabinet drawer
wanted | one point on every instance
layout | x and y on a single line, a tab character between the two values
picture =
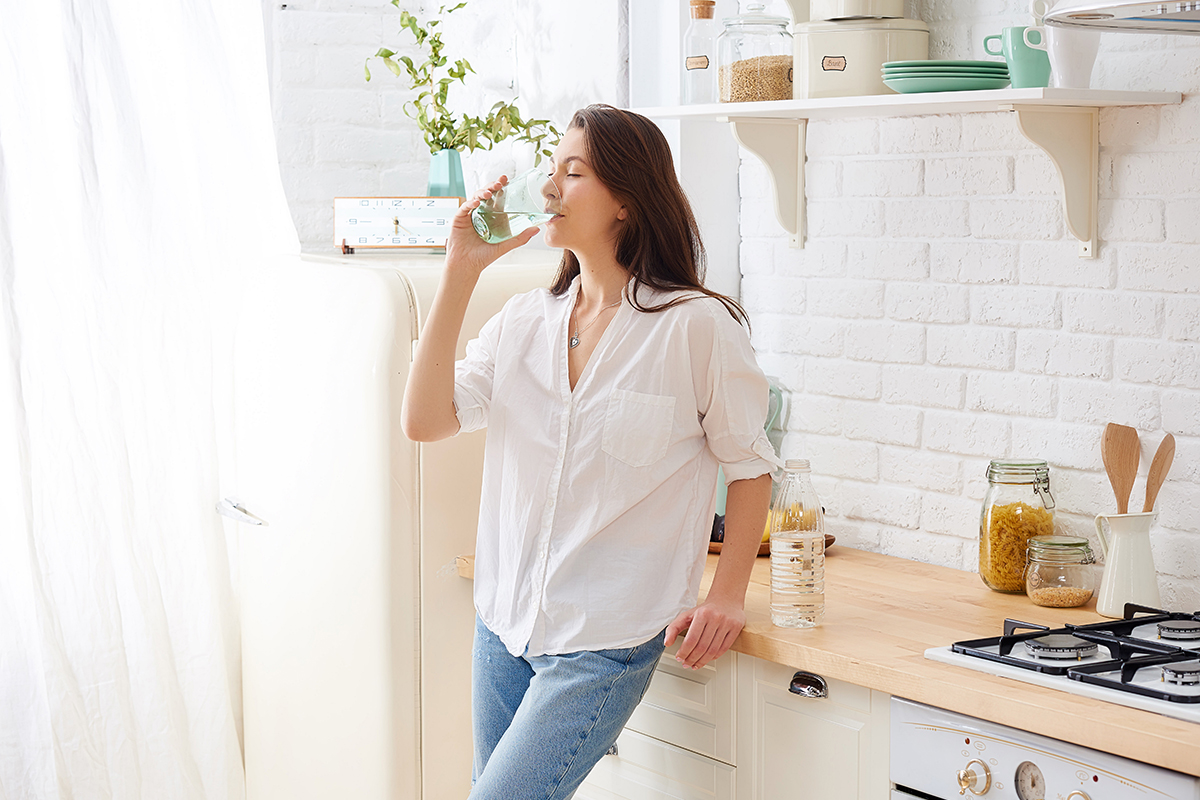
842	696
833	747
694	709
647	769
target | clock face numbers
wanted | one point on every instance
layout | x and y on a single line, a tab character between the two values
392	222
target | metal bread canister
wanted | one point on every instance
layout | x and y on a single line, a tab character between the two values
845	58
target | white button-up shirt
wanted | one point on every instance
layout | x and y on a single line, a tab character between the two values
598	503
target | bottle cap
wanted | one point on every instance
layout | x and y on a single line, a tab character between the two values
796	463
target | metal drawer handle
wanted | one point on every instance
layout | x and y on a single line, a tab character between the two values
806	684
232	507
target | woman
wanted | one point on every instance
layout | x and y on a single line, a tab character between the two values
609	399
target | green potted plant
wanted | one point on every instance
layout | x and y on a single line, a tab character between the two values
445	132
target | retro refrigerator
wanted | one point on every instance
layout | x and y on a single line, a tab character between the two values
356	627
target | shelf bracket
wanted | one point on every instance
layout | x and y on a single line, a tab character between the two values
1071	137
780	145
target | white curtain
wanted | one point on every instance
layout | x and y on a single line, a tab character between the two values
138	184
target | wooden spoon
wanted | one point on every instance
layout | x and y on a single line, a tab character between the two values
1159	468
1120	449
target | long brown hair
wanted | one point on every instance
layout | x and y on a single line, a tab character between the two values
659	242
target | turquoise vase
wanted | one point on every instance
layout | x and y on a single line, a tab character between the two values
446	175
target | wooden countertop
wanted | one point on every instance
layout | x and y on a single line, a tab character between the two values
882	614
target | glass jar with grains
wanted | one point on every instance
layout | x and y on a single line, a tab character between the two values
1060	573
754	57
1017	506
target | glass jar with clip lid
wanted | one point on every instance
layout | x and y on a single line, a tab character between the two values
1059	573
1016	507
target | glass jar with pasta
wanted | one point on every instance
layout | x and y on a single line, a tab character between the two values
1017	506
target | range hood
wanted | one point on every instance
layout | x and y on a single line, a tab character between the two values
1114	15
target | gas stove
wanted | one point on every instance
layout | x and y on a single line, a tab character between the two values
1148	660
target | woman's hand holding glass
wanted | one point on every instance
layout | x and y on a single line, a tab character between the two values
525	202
500	218
464	246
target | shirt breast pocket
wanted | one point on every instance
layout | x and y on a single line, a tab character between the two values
637	428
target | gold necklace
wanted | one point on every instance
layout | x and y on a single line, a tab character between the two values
573	342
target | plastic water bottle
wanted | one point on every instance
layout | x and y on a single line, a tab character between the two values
797	550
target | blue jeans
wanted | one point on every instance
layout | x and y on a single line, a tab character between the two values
542	723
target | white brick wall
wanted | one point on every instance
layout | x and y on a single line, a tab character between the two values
967	327
938	316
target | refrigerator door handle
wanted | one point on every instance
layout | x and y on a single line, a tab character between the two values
232	507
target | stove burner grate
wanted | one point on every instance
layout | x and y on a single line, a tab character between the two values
1060	646
1179	629
1181	674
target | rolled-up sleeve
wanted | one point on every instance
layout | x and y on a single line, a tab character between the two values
737	396
474	377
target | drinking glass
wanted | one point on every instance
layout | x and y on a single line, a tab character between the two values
527	200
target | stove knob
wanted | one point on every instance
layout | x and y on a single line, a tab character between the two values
1078	795
969	779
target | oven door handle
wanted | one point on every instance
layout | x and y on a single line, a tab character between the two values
808	684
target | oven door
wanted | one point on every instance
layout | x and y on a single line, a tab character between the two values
903	794
943	755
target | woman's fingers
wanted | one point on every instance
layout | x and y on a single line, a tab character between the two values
519	240
721	640
711	630
465	245
696	654
485	194
678	626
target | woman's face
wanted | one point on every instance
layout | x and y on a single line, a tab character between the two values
589	217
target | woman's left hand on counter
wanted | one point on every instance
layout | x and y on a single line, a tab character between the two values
714	624
711	628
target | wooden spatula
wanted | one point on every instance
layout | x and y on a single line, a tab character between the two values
1120	450
1159	468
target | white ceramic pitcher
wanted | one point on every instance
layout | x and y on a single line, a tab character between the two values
1129	573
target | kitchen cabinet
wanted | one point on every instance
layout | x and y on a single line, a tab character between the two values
734	730
795	746
694	709
645	768
1064	123
681	740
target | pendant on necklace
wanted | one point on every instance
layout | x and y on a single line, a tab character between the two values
573	342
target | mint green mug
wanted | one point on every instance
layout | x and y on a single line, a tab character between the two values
1028	67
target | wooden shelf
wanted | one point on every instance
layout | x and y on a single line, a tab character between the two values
897	105
1064	123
